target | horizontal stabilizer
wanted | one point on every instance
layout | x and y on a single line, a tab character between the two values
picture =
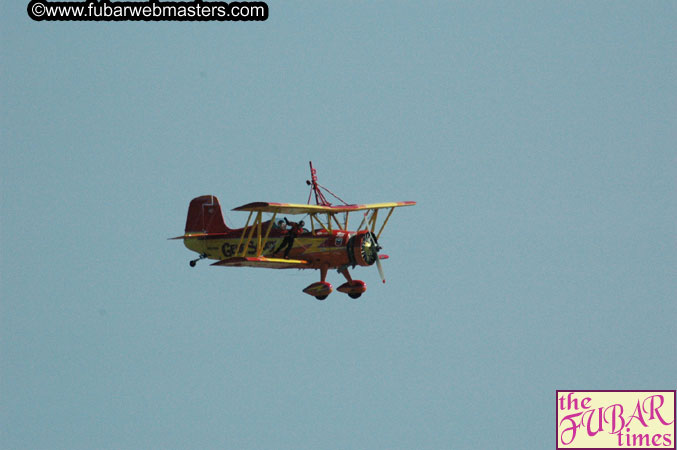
198	235
263	262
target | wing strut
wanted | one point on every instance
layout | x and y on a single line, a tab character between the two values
265	239
384	223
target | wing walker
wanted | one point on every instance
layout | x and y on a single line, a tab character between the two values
278	243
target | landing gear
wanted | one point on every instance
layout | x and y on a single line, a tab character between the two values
320	289
194	261
354	288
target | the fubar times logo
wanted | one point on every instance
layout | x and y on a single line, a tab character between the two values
615	420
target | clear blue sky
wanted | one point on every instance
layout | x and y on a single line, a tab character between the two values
537	138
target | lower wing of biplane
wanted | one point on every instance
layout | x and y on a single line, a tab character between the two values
263	262
328	244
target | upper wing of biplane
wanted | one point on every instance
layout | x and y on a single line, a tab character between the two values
291	208
330	211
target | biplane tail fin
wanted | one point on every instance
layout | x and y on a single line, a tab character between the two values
204	216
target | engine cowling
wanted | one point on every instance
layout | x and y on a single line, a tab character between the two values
362	249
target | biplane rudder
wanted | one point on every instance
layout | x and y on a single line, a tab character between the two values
205	216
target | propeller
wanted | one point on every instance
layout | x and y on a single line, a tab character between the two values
372	246
380	270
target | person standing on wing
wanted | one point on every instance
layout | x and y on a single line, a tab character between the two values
288	241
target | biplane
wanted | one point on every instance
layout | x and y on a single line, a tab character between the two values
326	244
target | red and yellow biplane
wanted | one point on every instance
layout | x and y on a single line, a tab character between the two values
326	245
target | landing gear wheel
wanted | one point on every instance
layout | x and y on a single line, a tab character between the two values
356	295
321	297
193	262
